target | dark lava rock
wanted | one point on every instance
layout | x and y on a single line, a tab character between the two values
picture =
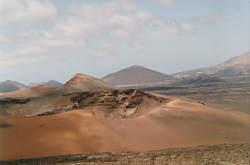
14	101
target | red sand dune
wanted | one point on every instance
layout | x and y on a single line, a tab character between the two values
178	123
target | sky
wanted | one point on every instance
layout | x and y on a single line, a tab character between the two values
41	40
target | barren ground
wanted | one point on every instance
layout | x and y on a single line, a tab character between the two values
227	154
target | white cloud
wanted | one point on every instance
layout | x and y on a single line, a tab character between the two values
197	22
187	26
119	19
84	23
165	2
25	11
3	39
81	26
11	62
22	55
114	19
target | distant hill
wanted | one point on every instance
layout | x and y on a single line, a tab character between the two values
51	83
31	92
137	75
9	86
236	66
78	83
199	80
85	82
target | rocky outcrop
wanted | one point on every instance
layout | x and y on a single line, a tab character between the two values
106	103
116	103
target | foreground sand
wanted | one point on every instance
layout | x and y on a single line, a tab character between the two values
236	154
178	123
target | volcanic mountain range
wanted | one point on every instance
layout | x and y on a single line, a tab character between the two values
235	66
135	76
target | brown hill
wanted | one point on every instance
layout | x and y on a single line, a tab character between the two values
85	82
236	66
79	82
46	99
137	75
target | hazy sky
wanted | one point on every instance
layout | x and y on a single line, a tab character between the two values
54	39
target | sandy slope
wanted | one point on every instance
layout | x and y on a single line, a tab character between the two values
71	132
178	123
